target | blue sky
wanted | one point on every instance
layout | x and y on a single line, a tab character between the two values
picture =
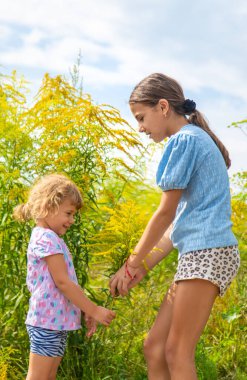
202	44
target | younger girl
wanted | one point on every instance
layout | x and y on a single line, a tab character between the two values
195	204
56	298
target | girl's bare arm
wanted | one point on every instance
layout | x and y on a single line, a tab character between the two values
74	292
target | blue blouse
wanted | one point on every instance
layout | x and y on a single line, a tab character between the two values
192	161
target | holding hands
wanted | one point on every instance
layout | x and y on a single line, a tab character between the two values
126	278
136	268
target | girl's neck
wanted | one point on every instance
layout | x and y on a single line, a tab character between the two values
43	224
176	122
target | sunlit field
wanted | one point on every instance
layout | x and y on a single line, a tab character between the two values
62	130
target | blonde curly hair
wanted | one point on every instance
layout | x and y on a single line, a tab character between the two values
47	194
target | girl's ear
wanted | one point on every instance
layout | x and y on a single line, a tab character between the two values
164	105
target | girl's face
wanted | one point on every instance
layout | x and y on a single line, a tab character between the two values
151	120
62	220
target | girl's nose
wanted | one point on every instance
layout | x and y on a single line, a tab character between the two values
141	129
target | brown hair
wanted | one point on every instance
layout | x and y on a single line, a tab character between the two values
47	194
159	86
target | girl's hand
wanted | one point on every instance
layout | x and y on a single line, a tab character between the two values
91	325
103	315
140	274
119	283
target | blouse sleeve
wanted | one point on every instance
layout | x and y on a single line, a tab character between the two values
47	244
178	163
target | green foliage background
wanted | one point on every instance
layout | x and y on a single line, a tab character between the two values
62	130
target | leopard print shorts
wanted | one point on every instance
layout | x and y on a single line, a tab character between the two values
218	265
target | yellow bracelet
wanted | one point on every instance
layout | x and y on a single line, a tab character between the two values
145	265
133	253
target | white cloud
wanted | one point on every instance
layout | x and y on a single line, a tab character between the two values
5	32
123	41
63	17
52	32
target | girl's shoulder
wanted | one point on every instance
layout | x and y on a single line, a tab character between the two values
184	139
191	137
190	131
45	240
45	233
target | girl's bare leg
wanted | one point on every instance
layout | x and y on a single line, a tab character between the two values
42	367
155	343
191	309
53	373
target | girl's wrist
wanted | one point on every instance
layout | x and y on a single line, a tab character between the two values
91	308
132	262
145	265
127	270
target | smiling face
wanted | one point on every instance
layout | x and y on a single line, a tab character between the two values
62	220
151	120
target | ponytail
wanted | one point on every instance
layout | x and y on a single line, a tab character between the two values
22	213
197	118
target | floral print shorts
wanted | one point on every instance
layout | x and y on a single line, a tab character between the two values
218	265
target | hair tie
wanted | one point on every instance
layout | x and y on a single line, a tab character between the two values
189	106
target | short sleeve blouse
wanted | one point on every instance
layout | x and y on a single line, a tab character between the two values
192	162
48	307
180	160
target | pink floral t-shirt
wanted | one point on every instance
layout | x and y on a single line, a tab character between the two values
48	307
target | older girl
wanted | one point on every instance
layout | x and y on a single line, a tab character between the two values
195	205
